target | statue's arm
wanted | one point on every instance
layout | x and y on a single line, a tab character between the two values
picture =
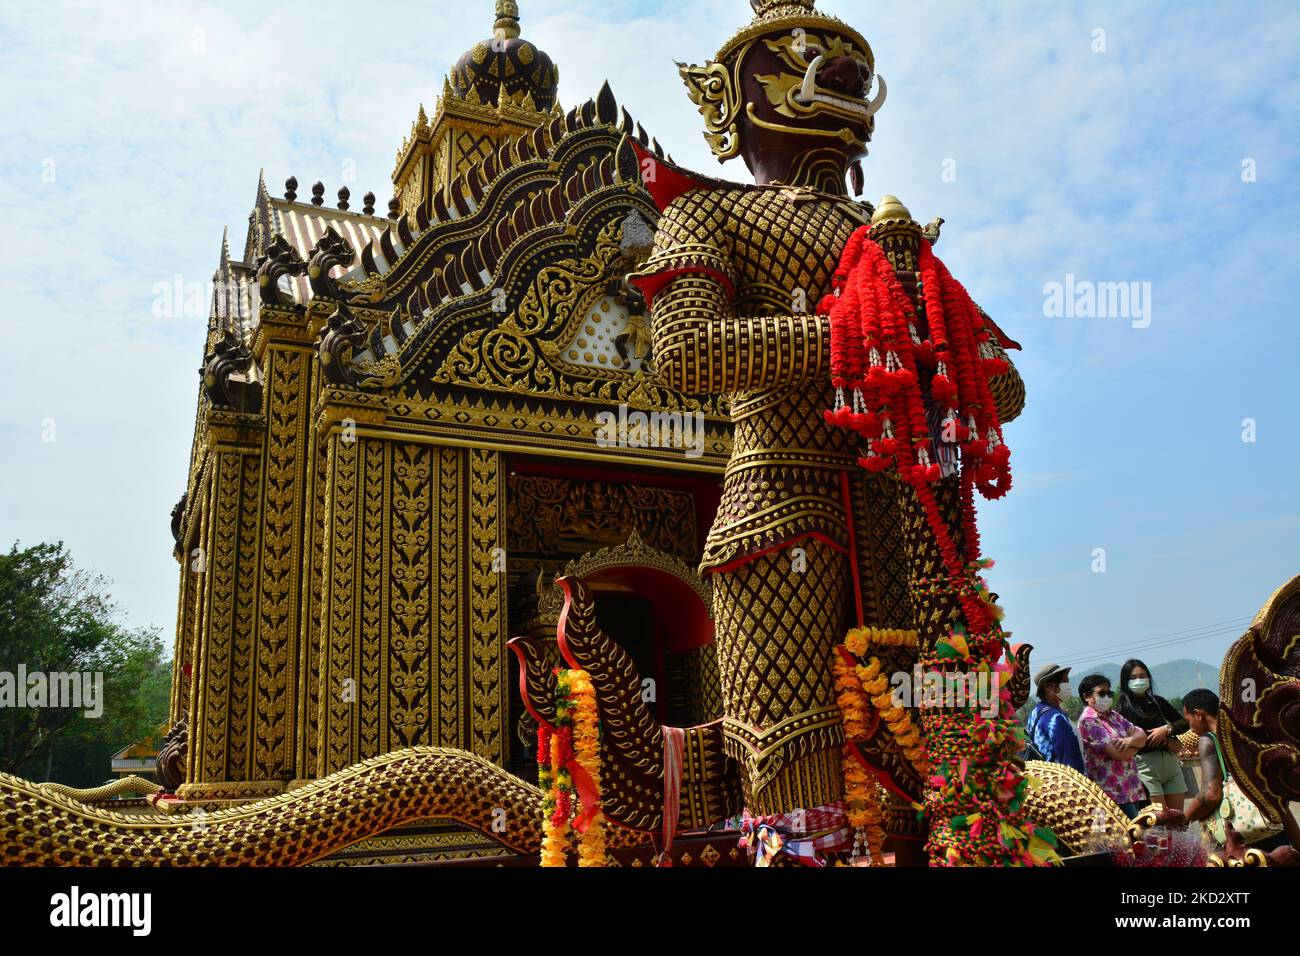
703	348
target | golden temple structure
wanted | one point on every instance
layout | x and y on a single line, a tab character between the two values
402	436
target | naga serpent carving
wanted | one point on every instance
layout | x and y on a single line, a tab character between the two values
130	784
41	826
1259	708
633	743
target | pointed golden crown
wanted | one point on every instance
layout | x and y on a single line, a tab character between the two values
774	16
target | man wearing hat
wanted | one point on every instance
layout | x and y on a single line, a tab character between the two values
1049	728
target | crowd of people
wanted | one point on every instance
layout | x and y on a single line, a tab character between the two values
1133	744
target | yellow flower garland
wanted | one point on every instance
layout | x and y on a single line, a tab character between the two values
876	686
860	638
577	712
862	793
858	688
586	748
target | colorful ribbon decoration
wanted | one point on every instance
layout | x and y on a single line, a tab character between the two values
674	746
803	834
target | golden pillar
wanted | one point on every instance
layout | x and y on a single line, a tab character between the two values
227	564
284	349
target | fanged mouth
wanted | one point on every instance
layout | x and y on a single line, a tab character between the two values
851	104
809	94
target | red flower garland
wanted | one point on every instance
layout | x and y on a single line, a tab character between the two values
875	353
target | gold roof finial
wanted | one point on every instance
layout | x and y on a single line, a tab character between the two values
890	209
507	25
764	7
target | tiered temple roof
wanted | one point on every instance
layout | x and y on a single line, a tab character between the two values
299	222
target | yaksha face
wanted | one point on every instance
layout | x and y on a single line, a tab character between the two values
792	87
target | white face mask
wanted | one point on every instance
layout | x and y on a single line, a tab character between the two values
1065	692
1102	705
1139	686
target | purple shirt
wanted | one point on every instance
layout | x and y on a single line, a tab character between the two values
1119	778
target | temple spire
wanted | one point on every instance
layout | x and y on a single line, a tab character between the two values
507	25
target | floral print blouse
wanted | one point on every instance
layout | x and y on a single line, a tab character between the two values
1119	778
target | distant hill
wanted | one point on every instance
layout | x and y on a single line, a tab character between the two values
1172	679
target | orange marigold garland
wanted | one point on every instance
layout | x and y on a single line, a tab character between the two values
586	745
569	749
862	792
875	685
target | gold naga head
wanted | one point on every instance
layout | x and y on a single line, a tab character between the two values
794	73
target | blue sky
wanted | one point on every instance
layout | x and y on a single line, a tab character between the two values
133	132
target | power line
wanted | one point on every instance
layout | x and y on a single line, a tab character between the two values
1143	642
1177	637
1158	645
1105	659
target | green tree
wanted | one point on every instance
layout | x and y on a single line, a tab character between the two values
55	618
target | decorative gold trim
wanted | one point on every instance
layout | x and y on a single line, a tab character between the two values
633	552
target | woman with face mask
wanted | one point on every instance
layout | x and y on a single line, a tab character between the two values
1158	765
1110	744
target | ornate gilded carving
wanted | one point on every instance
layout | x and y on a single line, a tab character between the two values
217	637
1020	678
178	513
172	756
452	704
717	95
486	533
377	568
339	684
331	252
557	516
1259	708
1073	807
230	376
365	800
632	741
128	784
409	692
244	675
281	538
280	262
342	334
523	351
